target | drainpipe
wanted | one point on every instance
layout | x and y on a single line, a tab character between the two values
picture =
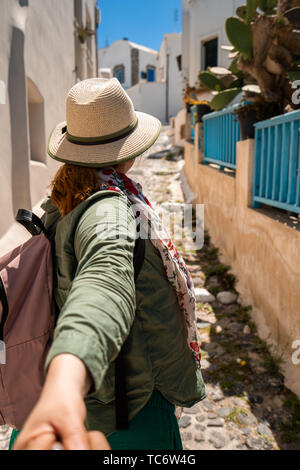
98	22
167	85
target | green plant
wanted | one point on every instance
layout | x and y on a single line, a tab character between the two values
235	414
213	253
219	269
240	35
291	428
83	33
211	81
223	99
242	314
273	362
265	56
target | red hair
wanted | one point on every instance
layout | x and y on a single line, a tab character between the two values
71	185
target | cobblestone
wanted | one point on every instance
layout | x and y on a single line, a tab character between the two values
185	421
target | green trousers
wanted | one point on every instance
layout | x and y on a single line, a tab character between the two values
155	427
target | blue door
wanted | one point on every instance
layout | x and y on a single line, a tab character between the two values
151	74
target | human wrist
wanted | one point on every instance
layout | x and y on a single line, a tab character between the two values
67	372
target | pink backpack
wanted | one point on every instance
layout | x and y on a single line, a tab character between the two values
27	319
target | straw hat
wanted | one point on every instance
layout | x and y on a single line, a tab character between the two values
102	126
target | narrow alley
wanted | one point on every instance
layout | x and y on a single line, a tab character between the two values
247	405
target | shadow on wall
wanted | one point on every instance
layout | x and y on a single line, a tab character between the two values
18	122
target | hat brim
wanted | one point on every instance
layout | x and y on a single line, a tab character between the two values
141	139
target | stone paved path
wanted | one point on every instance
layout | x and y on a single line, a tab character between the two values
247	405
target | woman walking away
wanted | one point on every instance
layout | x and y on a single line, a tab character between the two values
126	335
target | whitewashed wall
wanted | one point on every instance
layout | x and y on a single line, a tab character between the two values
149	98
203	20
171	44
45	30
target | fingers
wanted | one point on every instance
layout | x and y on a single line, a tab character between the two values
75	438
42	442
98	441
77	441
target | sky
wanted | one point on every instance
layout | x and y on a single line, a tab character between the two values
142	21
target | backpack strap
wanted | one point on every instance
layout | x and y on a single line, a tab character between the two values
120	367
138	257
31	222
3	300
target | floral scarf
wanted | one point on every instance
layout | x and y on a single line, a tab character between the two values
175	268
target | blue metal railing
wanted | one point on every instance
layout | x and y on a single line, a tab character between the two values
277	162
221	134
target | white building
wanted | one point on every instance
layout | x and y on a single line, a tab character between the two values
203	34
163	97
129	62
43	53
151	78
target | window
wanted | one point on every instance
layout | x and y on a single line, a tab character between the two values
36	120
150	73
210	49
182	131
179	62
119	73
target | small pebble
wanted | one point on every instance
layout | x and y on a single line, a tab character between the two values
217	439
247	330
226	297
184	421
186	436
200	418
200	427
246	431
263	430
192	411
199	437
203	325
203	296
218	395
225	411
256	399
254	443
207	405
218	422
248	420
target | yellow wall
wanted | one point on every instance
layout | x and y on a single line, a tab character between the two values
264	254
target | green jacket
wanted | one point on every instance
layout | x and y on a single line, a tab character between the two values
100	307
